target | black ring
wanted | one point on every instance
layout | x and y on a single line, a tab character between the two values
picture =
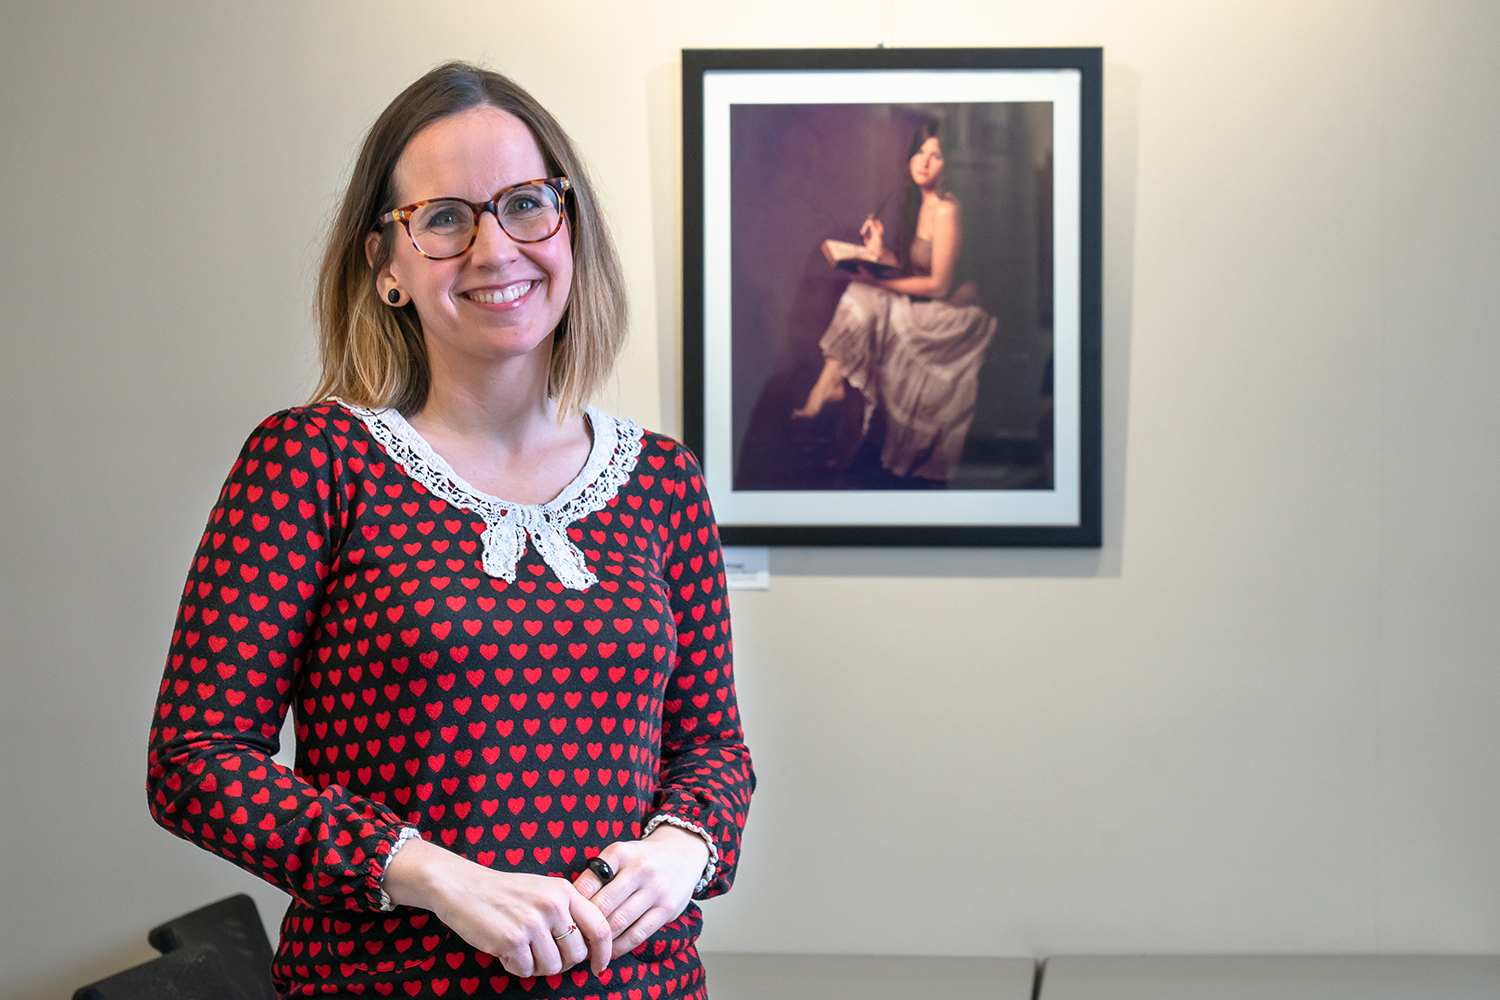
601	868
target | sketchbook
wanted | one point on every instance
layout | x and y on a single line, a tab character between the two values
856	257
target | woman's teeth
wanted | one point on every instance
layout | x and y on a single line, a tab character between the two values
507	294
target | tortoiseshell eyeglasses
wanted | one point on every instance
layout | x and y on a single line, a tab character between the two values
440	228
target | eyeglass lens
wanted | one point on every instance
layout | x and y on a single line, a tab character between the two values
444	228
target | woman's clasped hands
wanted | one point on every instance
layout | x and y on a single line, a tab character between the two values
537	925
540	925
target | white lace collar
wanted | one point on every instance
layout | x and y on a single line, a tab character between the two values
617	446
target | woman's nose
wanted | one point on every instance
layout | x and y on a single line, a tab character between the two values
492	243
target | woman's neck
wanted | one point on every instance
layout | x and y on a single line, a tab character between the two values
504	405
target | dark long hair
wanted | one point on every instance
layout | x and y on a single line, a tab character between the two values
911	205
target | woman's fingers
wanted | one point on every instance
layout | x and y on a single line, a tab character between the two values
653	883
546	959
631	914
588	883
559	941
572	946
637	903
645	925
625	899
594	934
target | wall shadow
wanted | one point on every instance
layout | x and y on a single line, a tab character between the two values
664	143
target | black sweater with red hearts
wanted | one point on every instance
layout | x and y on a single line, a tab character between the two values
522	723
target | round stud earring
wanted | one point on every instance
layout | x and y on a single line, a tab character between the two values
393	297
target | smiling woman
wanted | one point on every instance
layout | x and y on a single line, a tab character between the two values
485	309
372	353
496	613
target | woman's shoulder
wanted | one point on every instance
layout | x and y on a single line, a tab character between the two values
331	420
662	451
653	454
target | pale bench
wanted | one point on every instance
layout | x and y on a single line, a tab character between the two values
867	977
1076	977
1272	977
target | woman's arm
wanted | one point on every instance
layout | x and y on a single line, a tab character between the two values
947	237
247	619
873	232
704	776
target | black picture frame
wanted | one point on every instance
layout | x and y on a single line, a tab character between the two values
754	123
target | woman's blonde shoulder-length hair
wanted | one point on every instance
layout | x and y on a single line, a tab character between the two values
372	353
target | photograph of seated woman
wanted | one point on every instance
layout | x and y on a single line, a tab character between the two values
923	369
911	346
494	612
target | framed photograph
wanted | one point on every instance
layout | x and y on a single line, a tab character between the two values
891	322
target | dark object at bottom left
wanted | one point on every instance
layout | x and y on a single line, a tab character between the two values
218	952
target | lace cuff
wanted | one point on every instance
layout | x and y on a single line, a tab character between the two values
691	827
407	832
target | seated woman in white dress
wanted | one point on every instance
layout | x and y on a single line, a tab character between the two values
912	345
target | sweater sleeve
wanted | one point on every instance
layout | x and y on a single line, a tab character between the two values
706	775
249	613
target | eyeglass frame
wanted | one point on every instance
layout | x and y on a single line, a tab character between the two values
403	214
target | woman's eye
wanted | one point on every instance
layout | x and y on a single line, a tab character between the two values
444	218
522	204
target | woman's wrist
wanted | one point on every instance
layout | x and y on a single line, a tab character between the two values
685	840
414	877
707	860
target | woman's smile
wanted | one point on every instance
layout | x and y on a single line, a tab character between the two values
505	296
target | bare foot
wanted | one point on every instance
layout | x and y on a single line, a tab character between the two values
828	389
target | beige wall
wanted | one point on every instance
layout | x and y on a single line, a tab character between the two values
1261	718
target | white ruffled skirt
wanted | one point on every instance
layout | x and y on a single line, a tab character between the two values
918	361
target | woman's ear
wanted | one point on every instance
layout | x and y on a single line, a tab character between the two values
372	248
384	279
